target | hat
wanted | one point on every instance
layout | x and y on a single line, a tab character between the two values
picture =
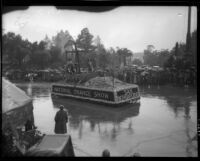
136	155
61	107
106	153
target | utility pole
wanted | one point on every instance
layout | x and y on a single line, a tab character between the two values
188	38
188	55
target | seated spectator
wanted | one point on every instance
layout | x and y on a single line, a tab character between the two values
29	125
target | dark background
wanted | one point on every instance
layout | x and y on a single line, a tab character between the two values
90	5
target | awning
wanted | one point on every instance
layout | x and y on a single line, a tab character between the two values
17	107
12	96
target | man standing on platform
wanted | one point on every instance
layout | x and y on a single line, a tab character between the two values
61	119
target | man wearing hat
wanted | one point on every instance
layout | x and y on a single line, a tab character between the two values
61	119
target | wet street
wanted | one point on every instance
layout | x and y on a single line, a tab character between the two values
162	125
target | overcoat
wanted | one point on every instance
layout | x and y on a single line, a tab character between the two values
61	119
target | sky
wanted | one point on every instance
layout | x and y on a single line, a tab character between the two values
132	27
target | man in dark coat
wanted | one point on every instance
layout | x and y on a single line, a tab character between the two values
61	119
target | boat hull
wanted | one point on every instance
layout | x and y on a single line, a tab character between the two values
129	94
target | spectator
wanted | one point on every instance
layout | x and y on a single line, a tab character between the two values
136	155
29	125
61	119
106	153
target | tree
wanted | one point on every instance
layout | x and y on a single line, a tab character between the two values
41	58
103	60
176	49
154	57
15	49
150	48
42	45
60	40
180	58
99	53
113	58
85	44
148	56
34	47
21	54
55	53
169	62
123	54
48	43
161	57
137	62
85	41
97	42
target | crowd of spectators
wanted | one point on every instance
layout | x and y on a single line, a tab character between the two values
141	75
158	76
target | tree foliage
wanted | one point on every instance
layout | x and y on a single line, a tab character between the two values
123	53
137	62
55	53
61	39
154	57
180	58
23	54
15	49
84	43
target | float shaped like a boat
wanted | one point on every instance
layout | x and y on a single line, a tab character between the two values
106	90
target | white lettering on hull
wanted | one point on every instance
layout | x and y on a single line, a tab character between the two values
100	95
82	93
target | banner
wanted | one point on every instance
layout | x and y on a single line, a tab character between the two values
88	93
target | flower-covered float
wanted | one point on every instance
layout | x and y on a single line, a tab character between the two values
107	90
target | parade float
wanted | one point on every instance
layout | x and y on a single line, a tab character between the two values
93	86
106	90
